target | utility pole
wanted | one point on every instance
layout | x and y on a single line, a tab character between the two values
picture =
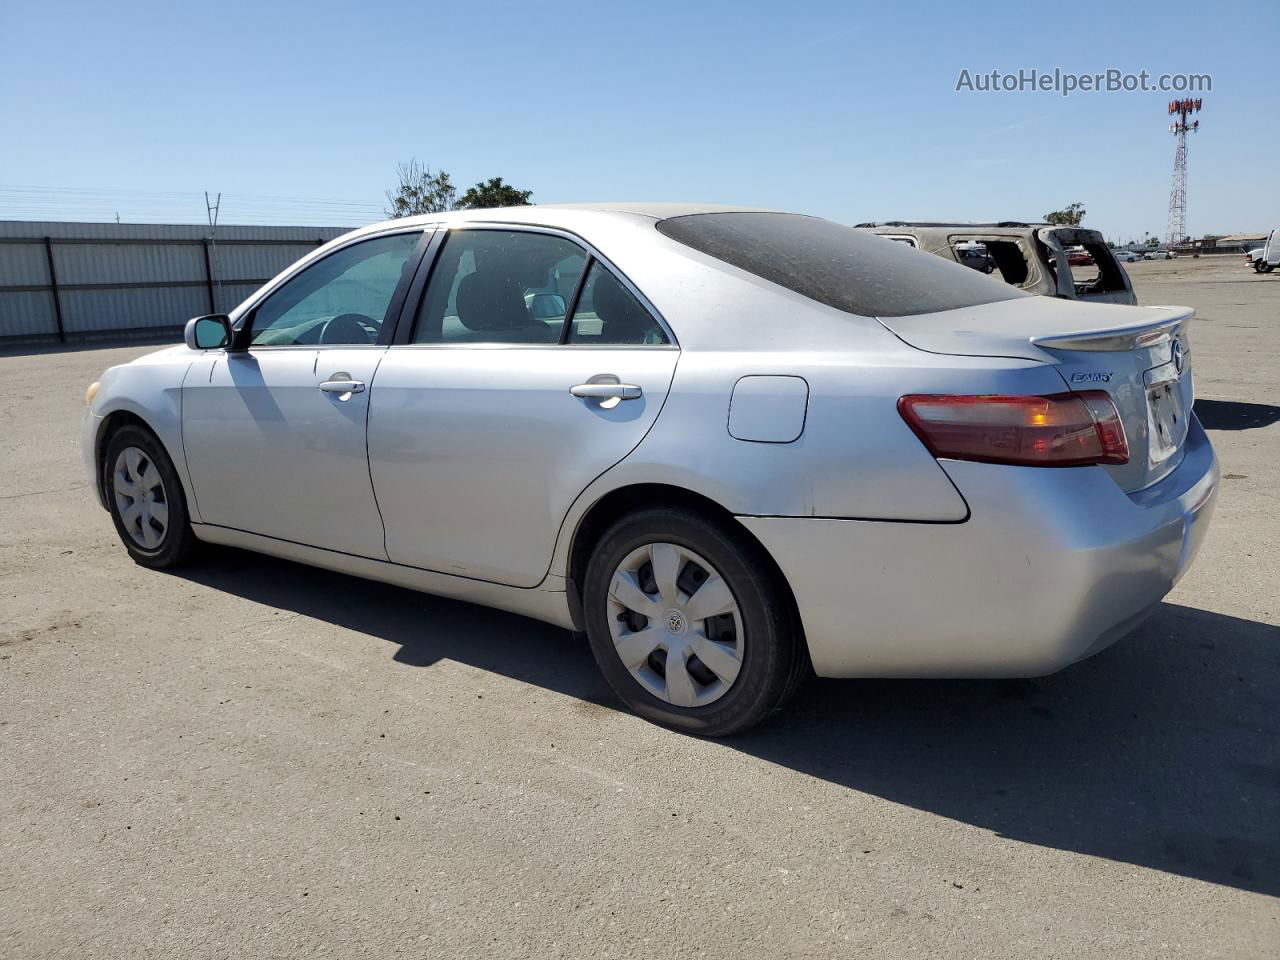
1180	110
211	210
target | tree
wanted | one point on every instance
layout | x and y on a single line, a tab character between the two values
420	191
1069	217
494	193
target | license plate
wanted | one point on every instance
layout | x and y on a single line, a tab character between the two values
1167	415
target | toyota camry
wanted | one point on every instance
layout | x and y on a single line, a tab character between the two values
731	447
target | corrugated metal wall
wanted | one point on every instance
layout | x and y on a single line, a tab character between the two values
69	281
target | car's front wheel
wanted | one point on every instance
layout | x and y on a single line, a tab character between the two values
145	498
689	623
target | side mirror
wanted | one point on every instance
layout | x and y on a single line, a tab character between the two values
547	306
208	333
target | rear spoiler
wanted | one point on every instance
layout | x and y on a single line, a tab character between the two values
1130	337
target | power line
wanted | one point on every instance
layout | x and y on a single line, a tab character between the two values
100	191
140	205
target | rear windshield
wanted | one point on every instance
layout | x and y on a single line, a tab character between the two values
844	268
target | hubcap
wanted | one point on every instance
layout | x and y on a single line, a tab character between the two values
675	624
140	498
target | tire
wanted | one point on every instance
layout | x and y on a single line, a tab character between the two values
136	470
1267	268
759	633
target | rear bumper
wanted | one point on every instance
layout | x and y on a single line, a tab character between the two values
1052	566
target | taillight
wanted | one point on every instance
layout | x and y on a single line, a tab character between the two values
1062	430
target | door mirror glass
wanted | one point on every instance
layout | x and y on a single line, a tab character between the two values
547	306
208	333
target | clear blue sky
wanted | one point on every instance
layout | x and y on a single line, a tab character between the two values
846	110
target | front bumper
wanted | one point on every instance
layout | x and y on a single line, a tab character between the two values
89	426
1052	566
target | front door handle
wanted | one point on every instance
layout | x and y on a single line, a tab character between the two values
343	385
607	391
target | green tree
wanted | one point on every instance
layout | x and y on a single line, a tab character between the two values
1069	217
494	193
420	191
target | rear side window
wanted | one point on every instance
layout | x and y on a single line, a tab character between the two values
1103	275
1005	257
607	313
836	265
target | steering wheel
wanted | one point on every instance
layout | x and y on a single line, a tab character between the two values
349	328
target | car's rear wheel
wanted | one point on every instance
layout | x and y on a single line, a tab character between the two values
689	624
145	498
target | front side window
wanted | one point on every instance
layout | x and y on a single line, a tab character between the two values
342	299
499	286
608	313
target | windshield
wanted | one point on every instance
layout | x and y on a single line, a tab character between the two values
836	265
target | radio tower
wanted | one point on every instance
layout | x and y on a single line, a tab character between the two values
1180	110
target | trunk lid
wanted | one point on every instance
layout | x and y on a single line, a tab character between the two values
1139	356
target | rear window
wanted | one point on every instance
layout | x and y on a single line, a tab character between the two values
844	268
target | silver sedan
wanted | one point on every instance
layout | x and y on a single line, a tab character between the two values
732	447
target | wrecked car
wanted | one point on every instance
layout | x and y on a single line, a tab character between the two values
1031	256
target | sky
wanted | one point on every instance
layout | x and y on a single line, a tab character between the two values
300	112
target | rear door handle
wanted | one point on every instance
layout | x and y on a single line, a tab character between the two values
343	385
607	391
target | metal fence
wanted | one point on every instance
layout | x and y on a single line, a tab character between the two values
63	282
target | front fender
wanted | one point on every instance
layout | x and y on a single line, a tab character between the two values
151	392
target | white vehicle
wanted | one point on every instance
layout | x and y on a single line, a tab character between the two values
1127	256
1254	259
1270	257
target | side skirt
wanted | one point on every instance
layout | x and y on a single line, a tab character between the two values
550	606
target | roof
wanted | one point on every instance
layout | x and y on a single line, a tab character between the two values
552	212
1239	237
656	211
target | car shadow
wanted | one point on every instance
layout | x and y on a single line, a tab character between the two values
1230	415
1163	751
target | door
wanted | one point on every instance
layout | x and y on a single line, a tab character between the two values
275	438
531	369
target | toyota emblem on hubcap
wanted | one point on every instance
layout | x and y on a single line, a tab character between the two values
675	621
